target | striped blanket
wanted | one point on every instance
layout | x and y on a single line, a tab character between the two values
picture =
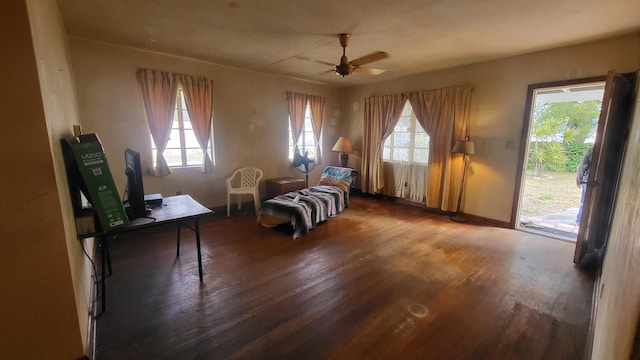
305	209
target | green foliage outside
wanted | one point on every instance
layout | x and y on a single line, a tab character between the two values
558	133
574	154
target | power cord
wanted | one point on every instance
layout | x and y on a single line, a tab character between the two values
93	266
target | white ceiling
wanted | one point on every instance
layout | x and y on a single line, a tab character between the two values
289	37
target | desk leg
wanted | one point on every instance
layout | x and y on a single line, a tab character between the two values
197	226
178	242
103	272
108	252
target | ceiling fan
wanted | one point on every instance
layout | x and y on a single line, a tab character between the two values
347	67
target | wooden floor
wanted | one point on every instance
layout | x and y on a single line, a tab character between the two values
380	281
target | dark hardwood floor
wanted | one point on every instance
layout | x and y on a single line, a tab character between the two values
380	281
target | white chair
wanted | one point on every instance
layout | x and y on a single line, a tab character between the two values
249	184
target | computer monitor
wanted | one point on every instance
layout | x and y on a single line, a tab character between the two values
134	191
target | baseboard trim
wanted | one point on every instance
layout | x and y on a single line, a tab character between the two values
469	218
474	219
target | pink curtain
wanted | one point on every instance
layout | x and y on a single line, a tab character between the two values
297	104
159	90
198	95
316	103
444	114
381	114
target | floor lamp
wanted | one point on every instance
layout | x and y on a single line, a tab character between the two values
343	145
462	147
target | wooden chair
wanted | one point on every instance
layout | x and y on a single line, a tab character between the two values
248	185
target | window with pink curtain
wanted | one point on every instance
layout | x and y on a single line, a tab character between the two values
180	116
183	148
305	123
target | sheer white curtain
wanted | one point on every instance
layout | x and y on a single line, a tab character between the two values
404	180
417	182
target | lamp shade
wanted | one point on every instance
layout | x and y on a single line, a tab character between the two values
343	145
463	147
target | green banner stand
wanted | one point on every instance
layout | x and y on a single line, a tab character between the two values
97	181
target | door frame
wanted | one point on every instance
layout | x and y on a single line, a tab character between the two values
524	137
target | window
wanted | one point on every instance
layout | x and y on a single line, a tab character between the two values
183	149
408	143
306	142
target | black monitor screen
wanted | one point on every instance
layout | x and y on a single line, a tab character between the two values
134	192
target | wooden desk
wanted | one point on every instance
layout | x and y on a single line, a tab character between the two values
178	209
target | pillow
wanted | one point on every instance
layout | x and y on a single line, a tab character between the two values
337	176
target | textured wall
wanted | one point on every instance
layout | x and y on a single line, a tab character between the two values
37	306
61	113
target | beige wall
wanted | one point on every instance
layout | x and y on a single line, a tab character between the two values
250	117
619	291
61	112
497	109
37	307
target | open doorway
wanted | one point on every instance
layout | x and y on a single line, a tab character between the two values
563	120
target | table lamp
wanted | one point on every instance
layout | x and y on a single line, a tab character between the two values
462	147
343	145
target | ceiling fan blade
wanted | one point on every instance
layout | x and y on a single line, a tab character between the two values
378	55
368	70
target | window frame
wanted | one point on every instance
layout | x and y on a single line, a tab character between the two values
389	142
